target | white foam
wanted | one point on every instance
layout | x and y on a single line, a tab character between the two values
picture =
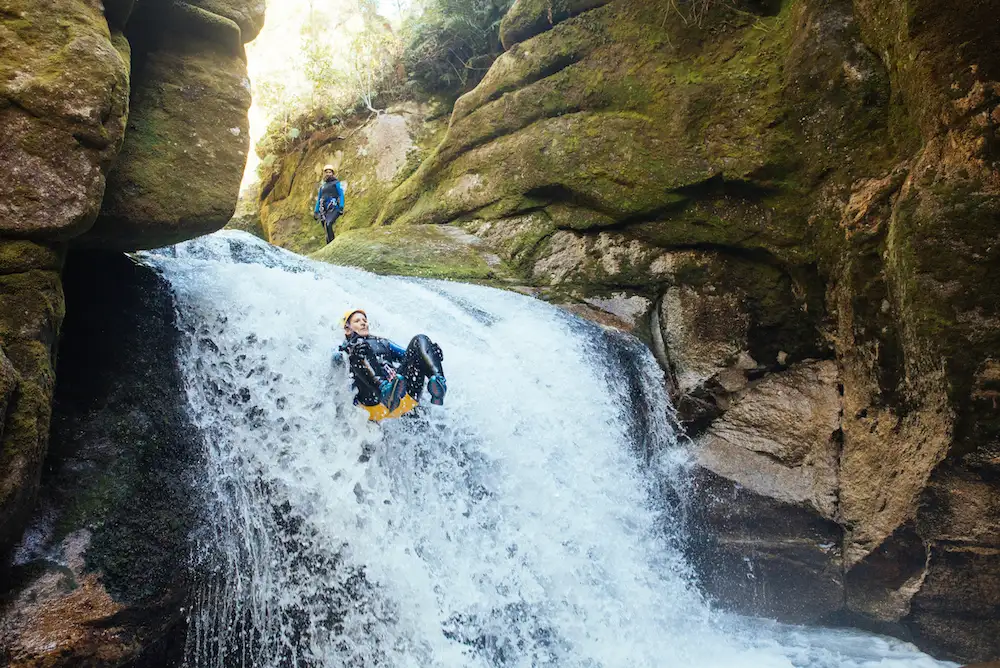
516	526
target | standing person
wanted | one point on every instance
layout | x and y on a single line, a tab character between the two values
329	201
390	380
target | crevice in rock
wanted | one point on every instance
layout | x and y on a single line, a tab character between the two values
551	69
90	141
498	133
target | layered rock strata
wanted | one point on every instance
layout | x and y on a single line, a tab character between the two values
124	127
805	195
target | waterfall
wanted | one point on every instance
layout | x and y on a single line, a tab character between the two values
523	523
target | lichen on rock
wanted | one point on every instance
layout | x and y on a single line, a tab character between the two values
371	157
179	171
63	102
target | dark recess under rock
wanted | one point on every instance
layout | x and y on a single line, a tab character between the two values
122	465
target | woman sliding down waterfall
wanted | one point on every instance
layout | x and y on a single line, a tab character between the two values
389	379
538	522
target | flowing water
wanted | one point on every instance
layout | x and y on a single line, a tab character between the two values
531	521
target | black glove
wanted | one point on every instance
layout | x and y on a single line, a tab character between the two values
360	347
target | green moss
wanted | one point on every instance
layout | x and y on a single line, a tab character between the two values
25	433
940	239
363	155
528	18
179	171
425	251
22	256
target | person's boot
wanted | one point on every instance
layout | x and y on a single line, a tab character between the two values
437	386
393	392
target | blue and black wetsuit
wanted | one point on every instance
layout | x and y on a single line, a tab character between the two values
374	360
329	205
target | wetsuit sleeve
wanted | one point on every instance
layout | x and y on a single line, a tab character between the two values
396	353
340	195
319	191
364	368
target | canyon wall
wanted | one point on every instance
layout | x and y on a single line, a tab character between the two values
124	127
796	204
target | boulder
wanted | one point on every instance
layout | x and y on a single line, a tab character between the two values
781	438
64	83
179	171
724	320
247	14
767	540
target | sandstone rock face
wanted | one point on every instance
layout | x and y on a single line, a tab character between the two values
178	173
101	577
767	480
139	114
64	85
31	311
370	156
779	439
807	195
528	18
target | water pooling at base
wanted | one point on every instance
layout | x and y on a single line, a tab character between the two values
522	524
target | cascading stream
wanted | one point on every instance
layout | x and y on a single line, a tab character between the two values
522	524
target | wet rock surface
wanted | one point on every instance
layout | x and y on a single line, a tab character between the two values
136	110
101	575
807	188
370	156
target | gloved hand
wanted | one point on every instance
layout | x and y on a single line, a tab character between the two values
384	387
361	348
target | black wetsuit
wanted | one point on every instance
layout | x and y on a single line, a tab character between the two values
329	205
373	360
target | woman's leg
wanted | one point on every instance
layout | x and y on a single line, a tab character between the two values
423	360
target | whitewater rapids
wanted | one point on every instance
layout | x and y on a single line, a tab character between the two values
531	521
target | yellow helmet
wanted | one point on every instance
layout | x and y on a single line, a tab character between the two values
347	316
329	168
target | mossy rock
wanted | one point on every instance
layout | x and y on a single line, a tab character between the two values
528	18
31	312
427	251
717	135
371	157
179	172
62	138
247	14
119	502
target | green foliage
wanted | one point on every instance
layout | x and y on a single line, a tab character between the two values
451	45
374	72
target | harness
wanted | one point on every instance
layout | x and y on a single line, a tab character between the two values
329	192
